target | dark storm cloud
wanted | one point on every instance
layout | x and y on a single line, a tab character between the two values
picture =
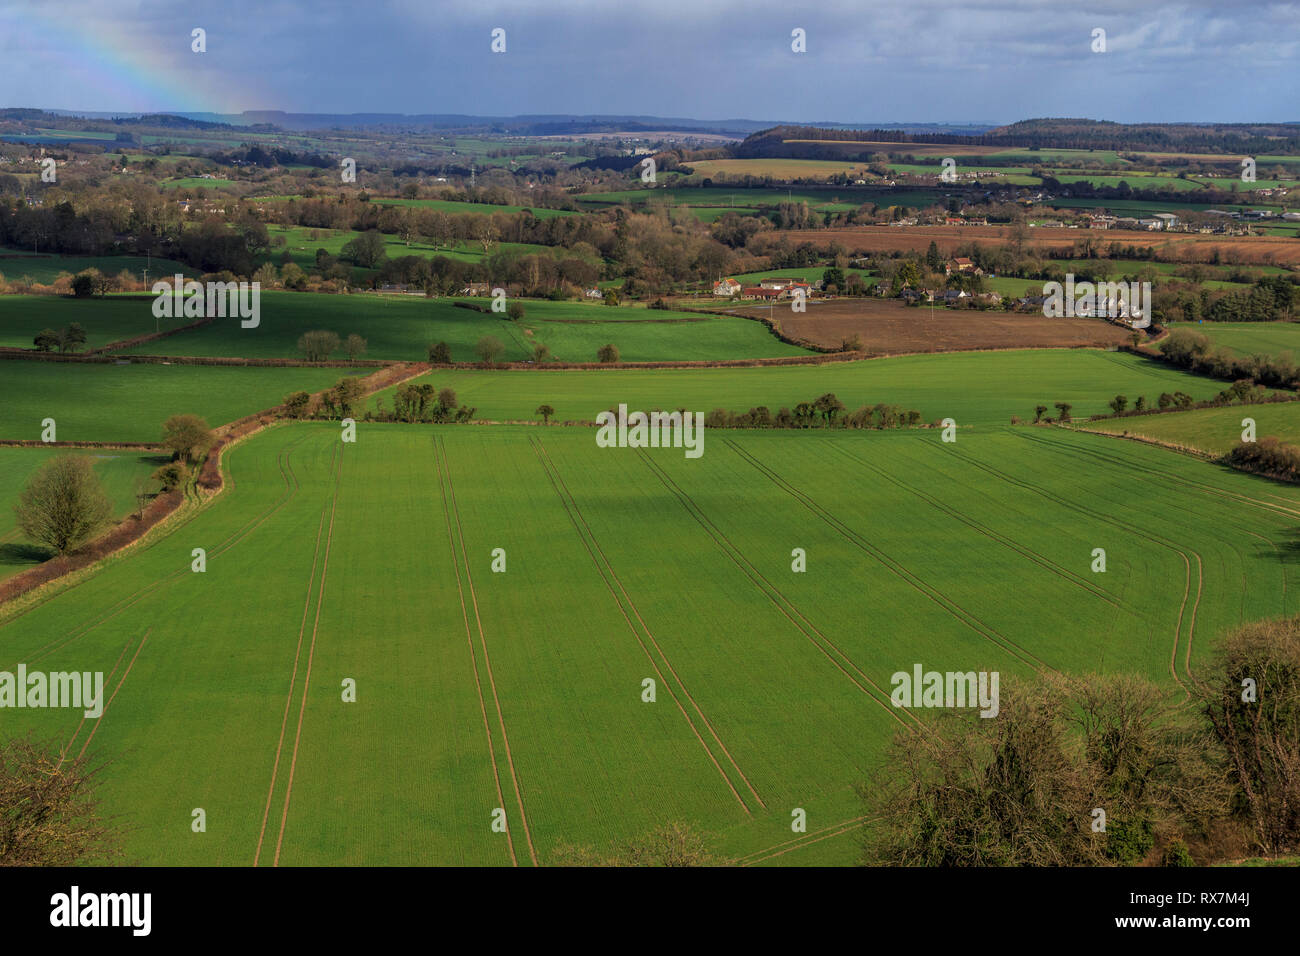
920	60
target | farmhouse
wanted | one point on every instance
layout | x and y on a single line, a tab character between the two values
962	264
758	292
475	288
726	287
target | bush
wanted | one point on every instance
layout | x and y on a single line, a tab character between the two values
440	354
607	354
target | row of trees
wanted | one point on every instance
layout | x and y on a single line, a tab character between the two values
825	411
319	344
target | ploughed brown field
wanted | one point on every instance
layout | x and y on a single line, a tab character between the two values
887	327
1180	246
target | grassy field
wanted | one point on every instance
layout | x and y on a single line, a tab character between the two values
1214	430
402	328
973	388
522	690
45	269
129	403
1250	338
301	243
106	320
121	471
479	208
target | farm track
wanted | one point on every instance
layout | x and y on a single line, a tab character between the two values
951	607
799	843
1041	560
1128	529
607	574
337	463
779	600
291	486
1192	483
445	465
293	678
63	754
104	713
473	656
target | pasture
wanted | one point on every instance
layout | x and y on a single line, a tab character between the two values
1250	338
975	388
122	472
129	403
1214	430
401	328
522	691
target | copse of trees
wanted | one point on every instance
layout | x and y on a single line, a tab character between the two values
69	339
1268	456
425	402
825	411
188	437
1176	785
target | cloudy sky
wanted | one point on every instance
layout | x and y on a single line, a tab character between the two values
867	61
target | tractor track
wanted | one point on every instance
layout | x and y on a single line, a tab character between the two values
807	628
951	607
445	460
606	571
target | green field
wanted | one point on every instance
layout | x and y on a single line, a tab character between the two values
973	388
523	690
129	403
479	208
1214	430
400	327
1250	338
301	243
45	269
106	320
120	471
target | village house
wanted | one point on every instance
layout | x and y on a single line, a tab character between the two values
962	264
475	288
726	287
593	293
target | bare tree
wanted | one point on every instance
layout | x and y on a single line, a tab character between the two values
64	504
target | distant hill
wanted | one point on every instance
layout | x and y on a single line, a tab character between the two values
813	142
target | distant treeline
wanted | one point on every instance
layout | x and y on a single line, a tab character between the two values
1225	138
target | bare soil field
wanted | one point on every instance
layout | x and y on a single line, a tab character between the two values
1174	246
890	328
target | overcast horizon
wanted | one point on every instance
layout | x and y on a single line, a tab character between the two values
928	61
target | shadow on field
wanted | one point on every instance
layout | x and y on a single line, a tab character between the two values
1289	549
20	555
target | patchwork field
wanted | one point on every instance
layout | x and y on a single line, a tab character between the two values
522	690
1214	430
974	388
129	403
1250	338
400	328
888	327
